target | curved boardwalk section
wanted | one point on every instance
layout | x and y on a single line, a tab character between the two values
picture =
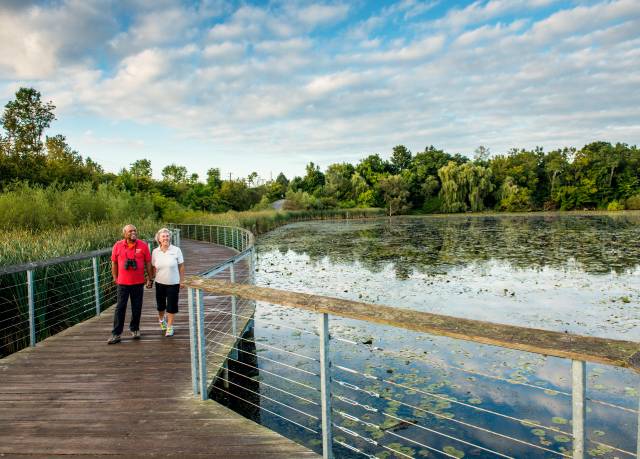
75	395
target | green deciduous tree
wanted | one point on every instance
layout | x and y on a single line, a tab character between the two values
64	165
481	155
513	198
395	192
400	158
313	180
237	195
372	167
141	168
25	118
338	181
213	178
174	174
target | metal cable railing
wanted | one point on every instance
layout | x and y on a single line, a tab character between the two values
370	412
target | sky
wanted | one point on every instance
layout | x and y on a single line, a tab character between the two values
269	86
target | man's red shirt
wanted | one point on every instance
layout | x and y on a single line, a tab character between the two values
139	252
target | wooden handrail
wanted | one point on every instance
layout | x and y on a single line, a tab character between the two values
577	347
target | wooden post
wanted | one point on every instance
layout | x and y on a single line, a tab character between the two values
96	283
578	374
32	311
325	387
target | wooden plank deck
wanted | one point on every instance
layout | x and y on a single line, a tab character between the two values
75	395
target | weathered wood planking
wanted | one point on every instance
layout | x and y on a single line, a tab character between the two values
587	348
74	395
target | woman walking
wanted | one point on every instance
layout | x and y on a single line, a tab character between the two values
168	271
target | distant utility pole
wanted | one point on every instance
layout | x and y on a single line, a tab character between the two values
229	176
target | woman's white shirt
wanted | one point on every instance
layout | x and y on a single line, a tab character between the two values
166	264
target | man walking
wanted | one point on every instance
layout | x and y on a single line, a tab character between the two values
130	258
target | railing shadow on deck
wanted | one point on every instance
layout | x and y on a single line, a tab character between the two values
371	411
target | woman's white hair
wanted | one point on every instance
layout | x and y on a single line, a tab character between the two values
162	231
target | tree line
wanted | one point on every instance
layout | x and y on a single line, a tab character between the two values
600	175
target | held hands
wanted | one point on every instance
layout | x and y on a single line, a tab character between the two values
149	283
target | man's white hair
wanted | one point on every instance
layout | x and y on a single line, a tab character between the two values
162	231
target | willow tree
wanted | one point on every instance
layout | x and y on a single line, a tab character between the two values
464	186
478	181
452	188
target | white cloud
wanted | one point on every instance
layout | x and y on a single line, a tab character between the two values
156	28
316	15
223	51
325	84
489	32
583	19
480	11
277	47
415	51
35	41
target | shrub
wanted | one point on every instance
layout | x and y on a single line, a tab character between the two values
615	206
633	203
432	205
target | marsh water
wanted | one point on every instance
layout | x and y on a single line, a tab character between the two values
403	394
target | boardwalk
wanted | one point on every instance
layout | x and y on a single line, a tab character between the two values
74	395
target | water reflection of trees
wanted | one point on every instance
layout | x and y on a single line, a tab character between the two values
432	245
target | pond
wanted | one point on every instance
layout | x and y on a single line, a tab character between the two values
404	394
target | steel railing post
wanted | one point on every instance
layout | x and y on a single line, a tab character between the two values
234	321
96	283
32	309
193	341
325	387
202	346
638	434
252	264
578	374
177	237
